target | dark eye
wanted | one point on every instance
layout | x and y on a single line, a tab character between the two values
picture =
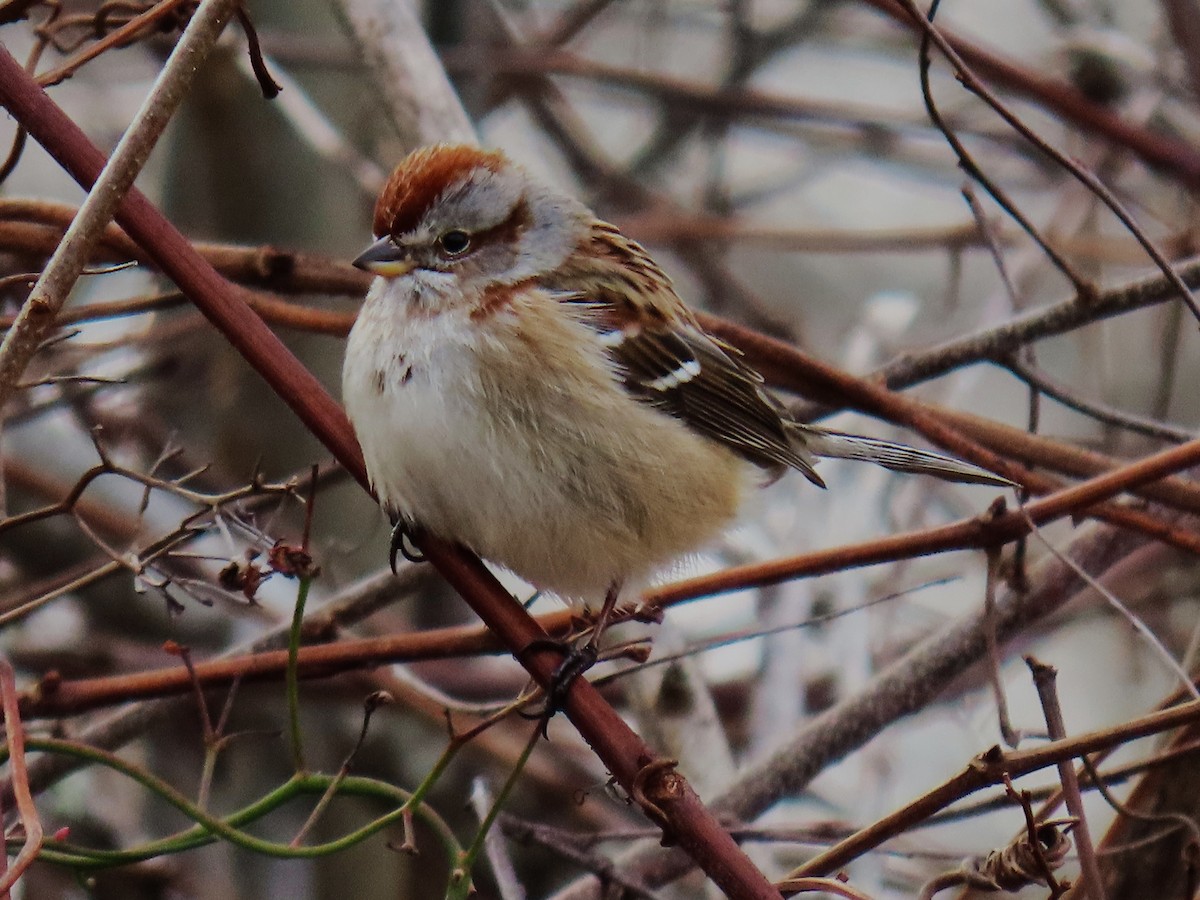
455	243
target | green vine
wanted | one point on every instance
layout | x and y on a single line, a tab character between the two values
209	828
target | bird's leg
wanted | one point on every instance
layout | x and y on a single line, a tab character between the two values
581	658
576	659
403	532
606	611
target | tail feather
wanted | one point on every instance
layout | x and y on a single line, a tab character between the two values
897	457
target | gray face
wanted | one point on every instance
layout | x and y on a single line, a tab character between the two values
495	227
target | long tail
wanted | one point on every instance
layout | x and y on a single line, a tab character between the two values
897	457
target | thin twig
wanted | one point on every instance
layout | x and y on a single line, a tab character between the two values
1140	628
967	163
498	857
1087	178
140	24
14	732
1008	734
68	262
1101	412
1044	677
370	704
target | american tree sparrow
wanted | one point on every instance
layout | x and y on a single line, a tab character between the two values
524	380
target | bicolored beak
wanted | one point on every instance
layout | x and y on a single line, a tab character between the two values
385	258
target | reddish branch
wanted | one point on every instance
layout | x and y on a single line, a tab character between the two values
623	752
54	697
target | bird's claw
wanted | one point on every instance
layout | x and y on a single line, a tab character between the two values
577	659
402	544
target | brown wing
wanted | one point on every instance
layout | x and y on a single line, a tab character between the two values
674	365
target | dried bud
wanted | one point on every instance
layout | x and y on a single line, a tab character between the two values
291	561
243	576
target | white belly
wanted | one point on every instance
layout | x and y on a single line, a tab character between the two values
537	462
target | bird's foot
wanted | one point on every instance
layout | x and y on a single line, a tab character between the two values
576	660
403	533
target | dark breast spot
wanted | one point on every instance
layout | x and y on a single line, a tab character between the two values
402	366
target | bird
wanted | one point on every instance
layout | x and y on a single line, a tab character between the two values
525	381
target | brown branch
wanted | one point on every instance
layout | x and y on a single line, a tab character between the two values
1037	450
55	697
996	344
906	686
35	227
976	533
276	310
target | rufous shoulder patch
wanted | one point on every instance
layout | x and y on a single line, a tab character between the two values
499	297
421	177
